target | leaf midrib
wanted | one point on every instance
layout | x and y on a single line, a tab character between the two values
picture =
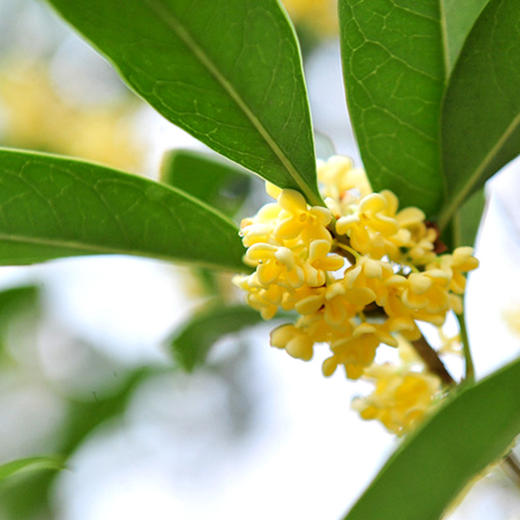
99	249
183	34
444	37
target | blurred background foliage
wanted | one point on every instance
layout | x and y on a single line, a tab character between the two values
92	349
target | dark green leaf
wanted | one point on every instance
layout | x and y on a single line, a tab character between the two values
467	220
191	343
208	178
481	112
52	207
472	430
227	71
459	16
393	64
14	300
30	464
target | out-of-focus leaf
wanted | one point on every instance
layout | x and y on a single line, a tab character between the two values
393	65
30	464
227	71
192	342
54	207
15	299
467	220
459	16
216	182
29	497
481	112
472	430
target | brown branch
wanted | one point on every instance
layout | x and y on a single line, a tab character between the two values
514	466
432	360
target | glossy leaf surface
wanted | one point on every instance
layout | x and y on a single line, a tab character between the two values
53	207
459	17
481	113
393	65
432	466
227	71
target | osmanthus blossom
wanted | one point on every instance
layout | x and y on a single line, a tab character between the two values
359	273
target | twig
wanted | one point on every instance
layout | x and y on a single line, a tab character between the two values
514	466
432	360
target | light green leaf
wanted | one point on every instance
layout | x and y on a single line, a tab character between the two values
467	220
227	71
51	207
481	112
30	464
192	342
393	65
459	16
472	430
206	177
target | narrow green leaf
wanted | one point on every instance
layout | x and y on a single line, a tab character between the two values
467	220
51	207
192	342
227	71
393	65
481	112
472	430
206	177
30	464
458	17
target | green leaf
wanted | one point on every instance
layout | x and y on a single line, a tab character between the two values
227	71
30	464
393	65
459	16
206	177
467	220
472	430
15	299
52	207
29	498
192	342
481	112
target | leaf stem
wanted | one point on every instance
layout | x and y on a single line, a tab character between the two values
470	367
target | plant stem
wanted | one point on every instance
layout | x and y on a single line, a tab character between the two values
470	367
514	466
431	359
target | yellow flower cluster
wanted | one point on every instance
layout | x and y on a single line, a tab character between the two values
318	15
402	395
355	285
